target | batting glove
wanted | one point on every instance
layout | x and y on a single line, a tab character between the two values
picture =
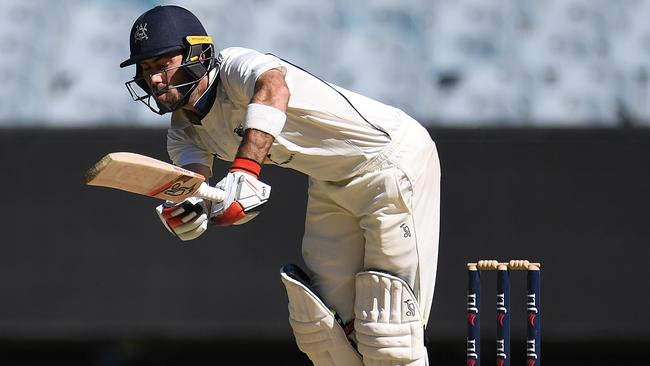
245	194
186	220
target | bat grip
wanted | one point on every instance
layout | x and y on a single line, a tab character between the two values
211	193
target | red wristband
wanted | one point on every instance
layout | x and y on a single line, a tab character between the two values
247	166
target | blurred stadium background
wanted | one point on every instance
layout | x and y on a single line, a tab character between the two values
540	109
570	63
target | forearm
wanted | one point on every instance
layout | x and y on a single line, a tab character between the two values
265	118
255	145
270	90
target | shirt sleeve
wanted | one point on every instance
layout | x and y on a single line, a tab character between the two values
183	151
240	68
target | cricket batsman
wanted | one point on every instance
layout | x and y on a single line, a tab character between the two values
372	221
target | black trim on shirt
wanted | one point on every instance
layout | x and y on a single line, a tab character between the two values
205	103
338	92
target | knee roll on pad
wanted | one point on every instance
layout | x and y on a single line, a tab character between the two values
317	332
388	323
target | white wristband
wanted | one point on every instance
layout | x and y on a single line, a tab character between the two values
264	118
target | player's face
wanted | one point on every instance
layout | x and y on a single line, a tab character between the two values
162	74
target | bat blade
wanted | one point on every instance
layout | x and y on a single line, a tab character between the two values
147	176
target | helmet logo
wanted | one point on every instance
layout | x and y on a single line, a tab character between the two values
140	33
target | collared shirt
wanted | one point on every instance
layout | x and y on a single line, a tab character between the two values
205	102
330	133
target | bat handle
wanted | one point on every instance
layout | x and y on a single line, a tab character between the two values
210	193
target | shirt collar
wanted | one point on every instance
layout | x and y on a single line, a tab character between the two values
182	118
206	101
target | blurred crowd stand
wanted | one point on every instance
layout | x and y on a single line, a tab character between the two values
452	63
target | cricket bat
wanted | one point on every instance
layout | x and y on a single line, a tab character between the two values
150	177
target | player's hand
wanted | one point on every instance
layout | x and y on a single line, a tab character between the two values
245	194
187	220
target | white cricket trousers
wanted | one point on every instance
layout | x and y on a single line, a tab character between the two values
384	218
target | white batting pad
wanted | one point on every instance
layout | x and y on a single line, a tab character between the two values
315	328
388	322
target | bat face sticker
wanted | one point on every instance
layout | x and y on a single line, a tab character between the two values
179	188
150	177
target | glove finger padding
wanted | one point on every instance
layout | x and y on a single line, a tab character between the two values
196	231
191	224
187	220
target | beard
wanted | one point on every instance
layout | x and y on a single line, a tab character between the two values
168	97
171	98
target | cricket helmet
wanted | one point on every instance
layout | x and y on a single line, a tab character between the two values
163	30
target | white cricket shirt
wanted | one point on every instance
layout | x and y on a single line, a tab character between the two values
330	133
